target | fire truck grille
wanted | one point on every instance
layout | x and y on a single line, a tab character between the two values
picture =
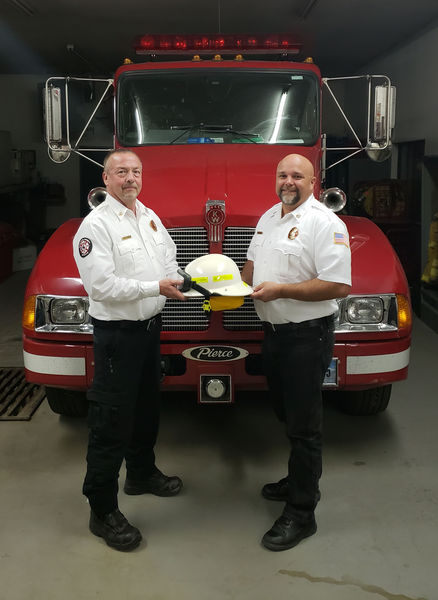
189	316
235	245
242	319
184	316
191	242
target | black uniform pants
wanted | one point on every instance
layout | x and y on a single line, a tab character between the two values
296	357
124	407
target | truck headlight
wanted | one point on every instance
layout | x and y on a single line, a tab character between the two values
385	312
365	310
62	314
64	311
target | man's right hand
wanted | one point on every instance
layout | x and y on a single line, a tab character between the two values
169	288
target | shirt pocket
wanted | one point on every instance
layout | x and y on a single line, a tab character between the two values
287	263
129	254
256	245
159	245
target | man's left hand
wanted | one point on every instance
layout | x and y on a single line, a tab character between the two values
266	291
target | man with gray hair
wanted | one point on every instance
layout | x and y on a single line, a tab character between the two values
127	263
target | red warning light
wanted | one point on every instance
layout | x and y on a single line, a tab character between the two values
226	44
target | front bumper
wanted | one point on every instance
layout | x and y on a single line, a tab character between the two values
359	365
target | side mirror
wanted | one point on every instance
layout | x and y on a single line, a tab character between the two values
67	131
384	112
378	154
58	151
379	146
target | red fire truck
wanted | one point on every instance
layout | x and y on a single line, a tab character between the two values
210	117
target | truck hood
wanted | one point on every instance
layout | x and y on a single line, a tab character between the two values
178	181
55	270
375	266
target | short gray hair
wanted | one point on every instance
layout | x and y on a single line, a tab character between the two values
117	151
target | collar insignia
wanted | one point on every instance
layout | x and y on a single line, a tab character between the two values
293	233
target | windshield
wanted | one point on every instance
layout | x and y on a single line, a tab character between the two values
217	106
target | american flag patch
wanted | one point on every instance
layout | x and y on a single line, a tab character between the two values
341	238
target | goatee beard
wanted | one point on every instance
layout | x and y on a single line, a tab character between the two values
290	201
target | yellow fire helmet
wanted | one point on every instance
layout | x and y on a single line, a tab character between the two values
217	278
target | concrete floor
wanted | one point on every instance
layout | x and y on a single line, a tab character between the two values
378	517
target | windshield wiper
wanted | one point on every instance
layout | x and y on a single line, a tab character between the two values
212	129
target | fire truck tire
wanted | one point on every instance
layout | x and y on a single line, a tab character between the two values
365	402
67	402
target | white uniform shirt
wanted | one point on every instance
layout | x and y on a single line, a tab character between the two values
311	241
121	258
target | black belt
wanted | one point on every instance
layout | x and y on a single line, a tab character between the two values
125	324
294	326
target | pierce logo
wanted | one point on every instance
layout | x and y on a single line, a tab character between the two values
215	353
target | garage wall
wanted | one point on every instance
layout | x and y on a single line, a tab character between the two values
412	69
21	115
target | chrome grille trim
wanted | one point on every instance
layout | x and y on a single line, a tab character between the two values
184	316
235	245
242	319
191	242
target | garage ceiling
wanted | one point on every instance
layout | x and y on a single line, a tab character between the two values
91	37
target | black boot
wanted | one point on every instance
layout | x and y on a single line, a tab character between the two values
276	491
157	484
286	533
116	530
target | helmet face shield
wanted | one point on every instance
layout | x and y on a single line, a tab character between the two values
215	275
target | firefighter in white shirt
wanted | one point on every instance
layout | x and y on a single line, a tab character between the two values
298	263
127	263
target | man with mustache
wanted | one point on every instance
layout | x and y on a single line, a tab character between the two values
298	263
127	263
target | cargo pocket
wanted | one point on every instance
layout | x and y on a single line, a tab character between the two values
107	414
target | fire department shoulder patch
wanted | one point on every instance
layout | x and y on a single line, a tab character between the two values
293	233
85	247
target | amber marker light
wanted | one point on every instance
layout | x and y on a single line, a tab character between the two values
404	314
28	320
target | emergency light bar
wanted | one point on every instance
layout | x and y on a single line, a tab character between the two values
226	44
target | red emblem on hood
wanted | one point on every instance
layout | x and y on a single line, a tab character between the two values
215	219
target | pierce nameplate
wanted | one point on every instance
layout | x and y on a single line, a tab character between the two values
215	353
